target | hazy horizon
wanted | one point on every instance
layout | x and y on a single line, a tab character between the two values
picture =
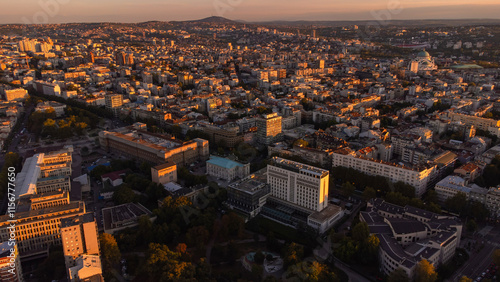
128	11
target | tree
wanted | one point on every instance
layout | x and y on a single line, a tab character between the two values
496	256
259	257
398	275
369	193
162	264
471	225
425	272
360	232
301	143
198	236
396	198
465	279
110	254
123	194
347	189
456	203
293	254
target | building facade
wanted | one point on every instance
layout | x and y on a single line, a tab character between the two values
227	169
418	177
269	128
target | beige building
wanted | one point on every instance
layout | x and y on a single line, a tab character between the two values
164	173
16	94
140	144
79	237
452	185
477	122
38	227
269	128
298	183
113	100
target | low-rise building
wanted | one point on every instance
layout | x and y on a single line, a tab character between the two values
227	169
408	235
250	194
164	173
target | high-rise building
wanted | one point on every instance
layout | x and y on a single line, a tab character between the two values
79	237
10	264
301	184
269	128
113	100
299	195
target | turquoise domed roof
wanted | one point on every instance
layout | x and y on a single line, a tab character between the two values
423	54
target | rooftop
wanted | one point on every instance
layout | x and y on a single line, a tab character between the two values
223	162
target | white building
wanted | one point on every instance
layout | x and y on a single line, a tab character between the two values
300	189
418	177
301	184
226	168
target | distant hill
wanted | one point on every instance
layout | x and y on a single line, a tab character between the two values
210	20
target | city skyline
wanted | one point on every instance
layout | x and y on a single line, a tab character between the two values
65	11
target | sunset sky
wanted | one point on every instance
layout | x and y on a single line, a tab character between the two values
57	11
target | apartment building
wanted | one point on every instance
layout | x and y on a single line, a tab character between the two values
15	94
477	122
418	176
226	135
113	100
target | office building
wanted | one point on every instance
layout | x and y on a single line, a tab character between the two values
407	235
299	196
297	183
227	169
123	216
45	172
164	173
136	142
87	268
249	194
38	223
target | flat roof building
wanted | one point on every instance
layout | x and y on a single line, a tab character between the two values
135	142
